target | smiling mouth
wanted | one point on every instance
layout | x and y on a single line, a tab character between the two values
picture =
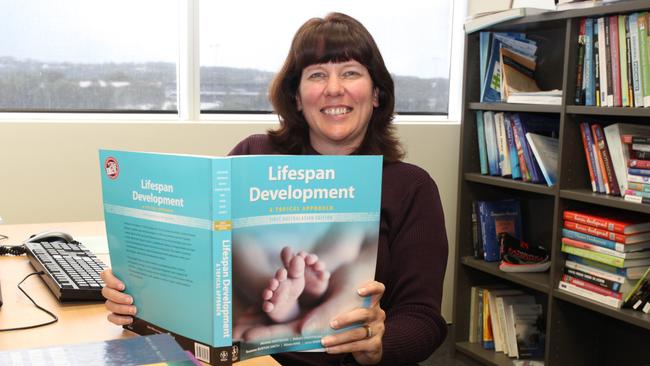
336	111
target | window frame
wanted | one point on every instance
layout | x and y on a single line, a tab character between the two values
188	84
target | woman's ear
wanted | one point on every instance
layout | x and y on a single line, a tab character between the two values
298	103
375	97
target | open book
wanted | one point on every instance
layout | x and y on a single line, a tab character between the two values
241	256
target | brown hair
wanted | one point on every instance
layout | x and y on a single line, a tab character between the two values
335	38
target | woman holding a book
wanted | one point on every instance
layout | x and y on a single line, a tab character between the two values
334	96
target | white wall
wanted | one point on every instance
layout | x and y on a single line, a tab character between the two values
49	172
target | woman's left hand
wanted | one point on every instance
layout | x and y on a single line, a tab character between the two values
365	342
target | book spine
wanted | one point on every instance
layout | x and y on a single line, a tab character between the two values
591	287
488	337
628	45
602	61
642	187
609	68
634	178
615	56
594	296
597	74
525	173
613	277
222	250
528	154
632	192
482	152
595	256
639	139
596	221
644	64
491	143
480	317
599	232
637	171
622	61
595	280
589	73
502	145
586	138
641	147
593	248
636	199
636	67
579	95
591	239
512	148
623	272
639	163
606	158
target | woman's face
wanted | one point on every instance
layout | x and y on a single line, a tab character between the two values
337	100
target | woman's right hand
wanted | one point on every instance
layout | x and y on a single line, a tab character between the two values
118	303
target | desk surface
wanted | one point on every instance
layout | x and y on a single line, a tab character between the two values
78	322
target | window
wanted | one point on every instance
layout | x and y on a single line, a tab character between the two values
142	56
88	55
241	48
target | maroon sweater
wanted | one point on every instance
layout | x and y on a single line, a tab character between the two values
411	263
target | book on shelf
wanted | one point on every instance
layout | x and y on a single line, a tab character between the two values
644	57
619	151
605	243
474	335
588	286
604	250
579	91
504	304
551	97
482	151
591	295
529	330
618	238
517	71
623	225
158	350
639	291
495	318
502	145
487	20
546	150
576	4
631	273
495	217
623	59
637	80
191	235
596	279
615	69
491	143
588	145
605	160
602	257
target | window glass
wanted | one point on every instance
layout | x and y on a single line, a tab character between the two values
87	55
243	43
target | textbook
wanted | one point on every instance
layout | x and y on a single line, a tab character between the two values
159	350
241	256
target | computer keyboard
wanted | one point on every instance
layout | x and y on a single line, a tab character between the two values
71	270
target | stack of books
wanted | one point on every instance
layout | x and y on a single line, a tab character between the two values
606	256
618	159
507	70
613	67
519	146
507	320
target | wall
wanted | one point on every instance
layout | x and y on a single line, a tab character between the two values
49	172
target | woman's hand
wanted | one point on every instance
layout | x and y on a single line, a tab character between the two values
365	342
117	302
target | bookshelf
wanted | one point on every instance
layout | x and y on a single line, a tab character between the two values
578	331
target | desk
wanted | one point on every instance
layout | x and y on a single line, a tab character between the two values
78	322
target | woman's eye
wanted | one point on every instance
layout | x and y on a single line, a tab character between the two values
317	75
350	73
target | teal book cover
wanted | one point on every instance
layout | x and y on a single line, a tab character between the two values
251	255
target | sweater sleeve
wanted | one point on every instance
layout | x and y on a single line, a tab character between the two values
418	259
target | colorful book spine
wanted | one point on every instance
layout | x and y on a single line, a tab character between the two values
615	60
512	147
596	256
528	154
609	68
622	60
642	187
632	192
589	154
589	73
591	239
604	155
644	57
618	226
639	163
637	80
525	172
482	152
602	60
579	84
576	290
591	287
638	171
595	271
596	280
491	143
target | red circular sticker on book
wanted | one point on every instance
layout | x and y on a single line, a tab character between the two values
111	167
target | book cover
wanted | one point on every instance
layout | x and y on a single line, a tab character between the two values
595	279
199	241
529	330
546	150
519	146
593	296
159	350
496	217
622	60
600	249
631	273
518	72
512	147
509	326
619	225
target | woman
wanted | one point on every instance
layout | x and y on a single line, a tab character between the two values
334	96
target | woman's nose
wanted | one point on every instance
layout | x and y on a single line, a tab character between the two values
334	86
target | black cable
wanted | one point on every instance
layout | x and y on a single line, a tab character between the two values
55	319
12	250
